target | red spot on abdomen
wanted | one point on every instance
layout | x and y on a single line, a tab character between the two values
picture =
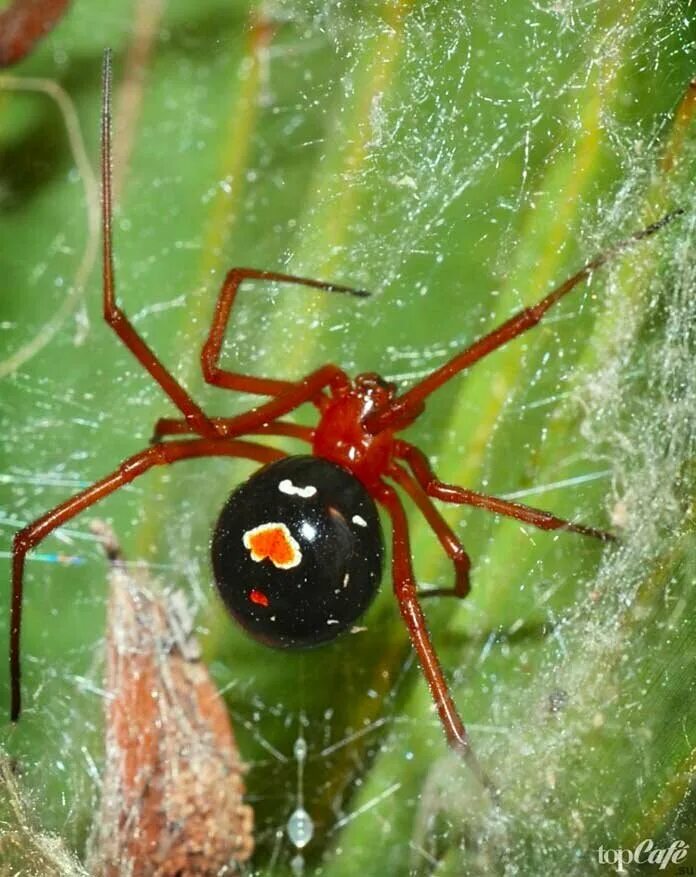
258	597
275	542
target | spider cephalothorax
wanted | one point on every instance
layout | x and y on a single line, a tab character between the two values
297	551
342	435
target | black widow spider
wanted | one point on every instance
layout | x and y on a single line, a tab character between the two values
297	551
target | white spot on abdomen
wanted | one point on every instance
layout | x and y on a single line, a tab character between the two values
286	486
360	521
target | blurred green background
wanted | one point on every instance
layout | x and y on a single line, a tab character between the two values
458	160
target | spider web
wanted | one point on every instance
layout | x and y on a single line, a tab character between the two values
457	163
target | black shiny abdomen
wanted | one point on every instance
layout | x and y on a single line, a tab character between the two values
328	554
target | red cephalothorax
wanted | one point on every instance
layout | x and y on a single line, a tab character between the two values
297	551
341	435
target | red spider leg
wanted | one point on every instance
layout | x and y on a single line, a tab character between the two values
294	394
133	467
210	353
171	426
306	390
113	315
23	24
421	468
451	545
407	596
405	408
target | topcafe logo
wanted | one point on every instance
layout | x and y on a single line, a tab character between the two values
645	852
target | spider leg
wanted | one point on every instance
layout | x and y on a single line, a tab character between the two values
421	468
291	394
303	391
309	389
172	426
23	24
113	314
31	535
210	353
451	545
405	408
407	596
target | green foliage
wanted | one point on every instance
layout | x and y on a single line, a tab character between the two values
459	162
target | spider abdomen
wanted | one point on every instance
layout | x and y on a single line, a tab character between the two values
297	552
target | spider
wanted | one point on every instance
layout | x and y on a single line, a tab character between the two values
297	551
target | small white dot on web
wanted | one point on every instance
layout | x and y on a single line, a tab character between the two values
360	521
